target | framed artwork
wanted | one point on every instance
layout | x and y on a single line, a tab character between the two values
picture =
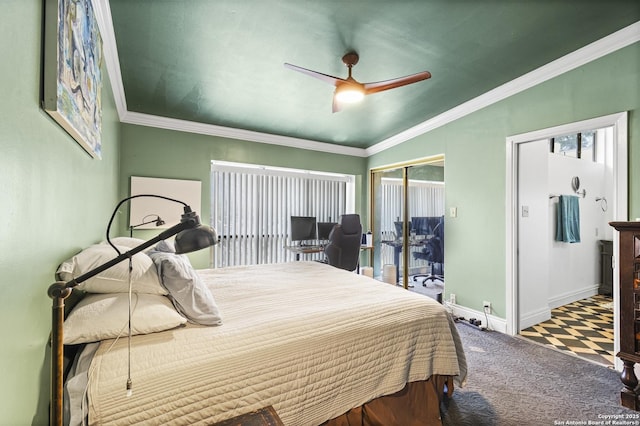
72	71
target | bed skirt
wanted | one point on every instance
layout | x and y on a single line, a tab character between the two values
418	404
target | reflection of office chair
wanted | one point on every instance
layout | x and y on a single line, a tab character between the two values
343	250
433	252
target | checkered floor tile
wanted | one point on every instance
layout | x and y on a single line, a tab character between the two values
584	327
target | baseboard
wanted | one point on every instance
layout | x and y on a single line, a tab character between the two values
543	314
566	298
500	324
495	323
535	317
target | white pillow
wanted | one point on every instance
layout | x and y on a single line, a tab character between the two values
105	316
129	242
144	276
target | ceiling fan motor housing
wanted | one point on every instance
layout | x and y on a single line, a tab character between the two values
350	59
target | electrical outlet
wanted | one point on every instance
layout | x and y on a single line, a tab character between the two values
452	299
486	305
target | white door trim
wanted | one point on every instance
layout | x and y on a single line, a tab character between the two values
619	122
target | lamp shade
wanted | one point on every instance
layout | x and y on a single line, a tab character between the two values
195	239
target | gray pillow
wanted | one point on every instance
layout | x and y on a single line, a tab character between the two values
189	294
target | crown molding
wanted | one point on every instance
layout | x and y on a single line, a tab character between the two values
582	56
102	9
593	51
233	133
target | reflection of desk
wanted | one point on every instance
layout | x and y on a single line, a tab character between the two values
298	250
397	248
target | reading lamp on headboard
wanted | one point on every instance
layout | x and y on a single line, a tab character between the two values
190	236
158	221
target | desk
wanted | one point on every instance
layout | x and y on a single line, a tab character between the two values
365	247
397	248
298	250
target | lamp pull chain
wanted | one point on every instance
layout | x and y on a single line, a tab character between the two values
129	384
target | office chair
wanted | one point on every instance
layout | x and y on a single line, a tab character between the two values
343	250
433	252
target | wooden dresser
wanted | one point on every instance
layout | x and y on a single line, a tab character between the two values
629	267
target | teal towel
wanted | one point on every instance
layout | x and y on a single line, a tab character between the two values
568	219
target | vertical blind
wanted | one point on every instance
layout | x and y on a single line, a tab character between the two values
251	209
426	198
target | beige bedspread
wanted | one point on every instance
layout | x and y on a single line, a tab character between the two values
311	340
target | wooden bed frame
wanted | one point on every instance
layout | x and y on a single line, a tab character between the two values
418	404
386	410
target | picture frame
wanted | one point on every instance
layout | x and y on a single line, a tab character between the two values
72	77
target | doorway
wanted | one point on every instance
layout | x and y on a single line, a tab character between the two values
543	274
407	205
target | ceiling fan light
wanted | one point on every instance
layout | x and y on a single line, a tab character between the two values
349	94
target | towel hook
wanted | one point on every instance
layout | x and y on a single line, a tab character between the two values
603	203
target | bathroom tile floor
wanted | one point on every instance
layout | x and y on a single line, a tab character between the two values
584	328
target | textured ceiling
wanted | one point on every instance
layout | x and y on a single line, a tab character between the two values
221	62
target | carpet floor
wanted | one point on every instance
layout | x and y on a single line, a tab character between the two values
512	381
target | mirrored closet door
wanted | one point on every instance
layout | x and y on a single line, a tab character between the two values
407	205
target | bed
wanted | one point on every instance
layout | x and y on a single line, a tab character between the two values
319	344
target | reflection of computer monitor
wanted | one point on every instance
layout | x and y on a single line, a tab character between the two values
324	229
398	226
425	225
303	228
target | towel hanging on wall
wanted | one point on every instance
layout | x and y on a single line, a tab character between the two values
568	219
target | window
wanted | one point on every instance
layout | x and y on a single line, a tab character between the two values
577	145
251	207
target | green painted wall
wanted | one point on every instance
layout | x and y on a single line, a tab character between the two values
55	200
475	164
152	152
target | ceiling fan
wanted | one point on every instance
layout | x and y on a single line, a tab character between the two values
349	90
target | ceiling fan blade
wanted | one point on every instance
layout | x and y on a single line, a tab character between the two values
396	82
315	74
336	106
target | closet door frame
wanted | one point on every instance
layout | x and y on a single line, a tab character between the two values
405	207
